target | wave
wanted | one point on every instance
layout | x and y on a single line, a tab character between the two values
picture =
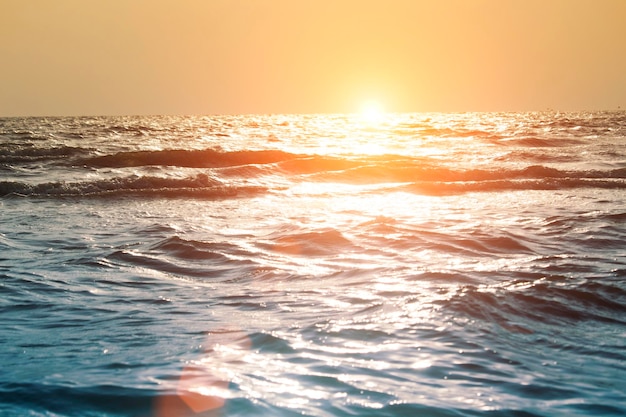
219	269
31	398
518	306
417	179
427	130
434	179
402	169
451	188
19	153
314	243
205	158
199	186
535	157
536	142
193	250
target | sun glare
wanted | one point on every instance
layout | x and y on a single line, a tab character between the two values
372	111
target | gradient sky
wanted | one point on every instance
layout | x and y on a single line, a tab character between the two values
109	57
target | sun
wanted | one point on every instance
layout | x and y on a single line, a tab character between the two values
372	111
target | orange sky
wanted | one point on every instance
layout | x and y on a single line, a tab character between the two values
107	57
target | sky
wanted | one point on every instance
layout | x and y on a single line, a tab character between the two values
136	57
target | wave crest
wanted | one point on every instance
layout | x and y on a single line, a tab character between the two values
200	186
205	158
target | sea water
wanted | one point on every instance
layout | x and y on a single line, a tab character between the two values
320	265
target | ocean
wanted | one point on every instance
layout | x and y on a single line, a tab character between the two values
444	264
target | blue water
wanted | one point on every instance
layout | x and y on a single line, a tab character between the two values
425	264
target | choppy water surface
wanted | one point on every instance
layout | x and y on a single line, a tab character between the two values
429	264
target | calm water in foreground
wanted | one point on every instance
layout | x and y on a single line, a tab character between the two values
423	265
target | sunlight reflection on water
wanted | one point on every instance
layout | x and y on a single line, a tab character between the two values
443	264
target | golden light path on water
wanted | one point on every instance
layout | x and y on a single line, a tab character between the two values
399	303
327	205
361	256
228	357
